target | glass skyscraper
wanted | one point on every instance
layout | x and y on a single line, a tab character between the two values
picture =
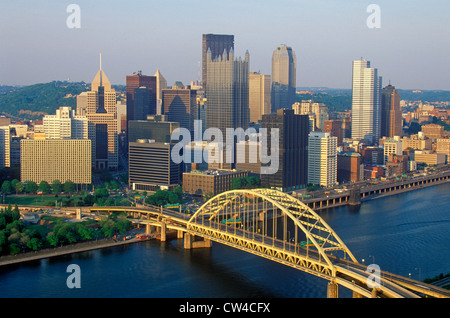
216	44
366	102
227	91
284	65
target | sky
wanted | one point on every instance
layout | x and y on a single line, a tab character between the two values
410	49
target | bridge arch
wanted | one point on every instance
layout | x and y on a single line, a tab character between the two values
259	218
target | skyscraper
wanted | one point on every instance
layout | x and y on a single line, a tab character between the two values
161	83
5	144
391	112
227	92
259	96
366	102
216	44
284	65
141	96
180	105
292	171
322	159
100	110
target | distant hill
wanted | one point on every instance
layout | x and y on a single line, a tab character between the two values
341	99
35	101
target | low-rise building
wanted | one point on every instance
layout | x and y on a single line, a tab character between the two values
210	181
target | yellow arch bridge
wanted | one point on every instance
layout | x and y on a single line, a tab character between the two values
279	227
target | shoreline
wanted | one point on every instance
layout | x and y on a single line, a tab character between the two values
66	250
105	243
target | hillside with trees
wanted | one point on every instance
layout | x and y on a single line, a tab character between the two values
35	101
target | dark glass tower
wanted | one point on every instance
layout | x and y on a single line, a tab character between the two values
391	112
136	110
284	65
180	105
216	44
292	171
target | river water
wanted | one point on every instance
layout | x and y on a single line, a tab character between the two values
406	234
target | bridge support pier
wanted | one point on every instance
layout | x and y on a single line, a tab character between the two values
180	234
163	231
333	290
189	242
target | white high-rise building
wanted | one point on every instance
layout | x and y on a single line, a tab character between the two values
322	159
366	102
5	140
65	125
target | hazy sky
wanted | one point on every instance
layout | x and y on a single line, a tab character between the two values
411	49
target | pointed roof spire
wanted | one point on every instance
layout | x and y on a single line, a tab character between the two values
100	79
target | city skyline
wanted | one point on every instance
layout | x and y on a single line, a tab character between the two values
408	48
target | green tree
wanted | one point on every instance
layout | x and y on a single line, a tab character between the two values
56	186
14	248
34	244
69	186
31	187
6	187
14	182
101	193
19	187
88	199
44	187
52	239
86	233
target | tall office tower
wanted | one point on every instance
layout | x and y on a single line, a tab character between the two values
259	96
216	44
161	83
65	125
391	112
56	159
101	113
151	167
293	150
5	144
227	95
141	96
284	66
322	159
366	102
180	105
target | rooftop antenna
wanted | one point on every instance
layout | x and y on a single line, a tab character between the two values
100	69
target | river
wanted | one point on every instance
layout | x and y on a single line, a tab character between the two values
406	234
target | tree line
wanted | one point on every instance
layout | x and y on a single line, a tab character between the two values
16	186
15	237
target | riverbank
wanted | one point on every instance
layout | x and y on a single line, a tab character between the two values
67	249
